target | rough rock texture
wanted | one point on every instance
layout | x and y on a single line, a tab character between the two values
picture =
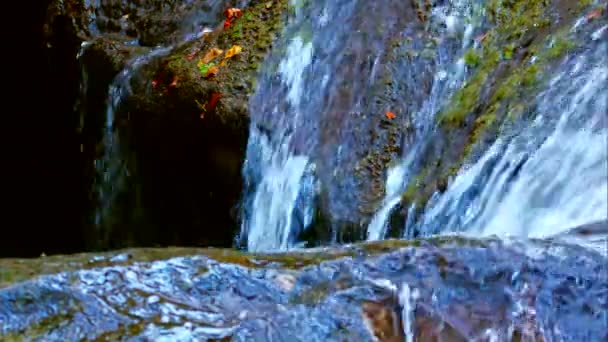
447	289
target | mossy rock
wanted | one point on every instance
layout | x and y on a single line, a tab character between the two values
254	32
183	124
514	57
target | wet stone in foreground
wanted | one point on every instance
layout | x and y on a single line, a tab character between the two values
453	289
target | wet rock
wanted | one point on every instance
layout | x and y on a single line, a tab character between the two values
449	288
383	322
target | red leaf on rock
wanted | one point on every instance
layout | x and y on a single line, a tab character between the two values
213	99
390	115
227	23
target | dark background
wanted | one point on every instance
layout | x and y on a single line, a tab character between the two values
44	200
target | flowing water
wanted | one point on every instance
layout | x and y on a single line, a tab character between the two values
328	69
271	165
546	177
284	120
538	179
394	185
480	290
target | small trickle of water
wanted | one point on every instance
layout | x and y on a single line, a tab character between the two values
394	182
273	168
407	300
111	167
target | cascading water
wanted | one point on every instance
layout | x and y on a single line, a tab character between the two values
552	175
281	185
280	171
338	82
449	21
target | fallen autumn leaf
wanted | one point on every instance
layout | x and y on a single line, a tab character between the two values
211	55
233	51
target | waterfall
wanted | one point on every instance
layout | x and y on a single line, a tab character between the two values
270	224
551	175
296	81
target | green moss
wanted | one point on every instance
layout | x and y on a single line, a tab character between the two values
504	75
584	3
414	192
293	260
465	100
559	47
507	52
471	58
7	276
204	68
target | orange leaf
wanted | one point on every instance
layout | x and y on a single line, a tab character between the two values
232	13
390	115
227	23
233	51
174	82
210	55
212	71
